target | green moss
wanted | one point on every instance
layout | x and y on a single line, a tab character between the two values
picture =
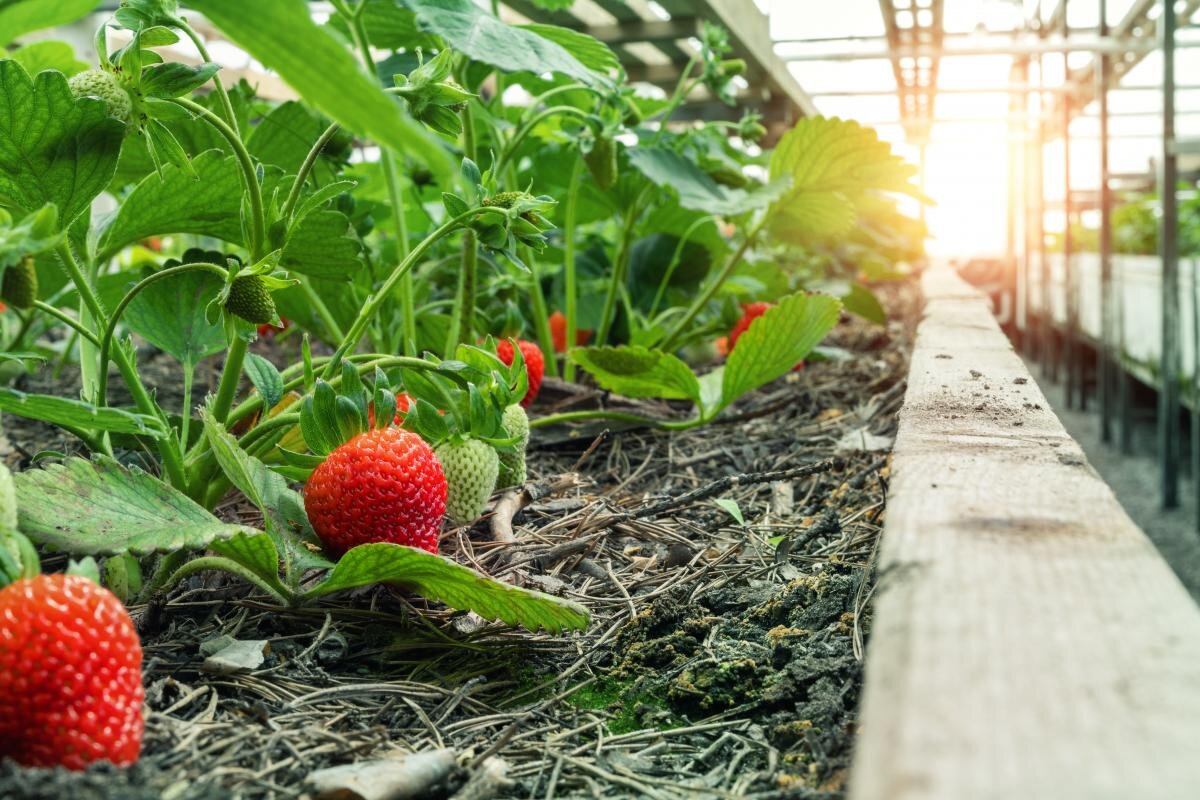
632	709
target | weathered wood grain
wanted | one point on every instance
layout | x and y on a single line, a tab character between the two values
1029	641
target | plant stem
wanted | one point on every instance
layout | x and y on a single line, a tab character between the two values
276	589
172	457
702	299
249	173
231	374
226	104
64	317
371	306
462	317
289	205
541	319
675	259
569	286
616	416
310	294
524	130
619	268
109	329
185	412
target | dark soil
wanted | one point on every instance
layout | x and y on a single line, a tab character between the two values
723	660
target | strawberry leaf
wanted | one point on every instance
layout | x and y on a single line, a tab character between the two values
78	415
775	343
696	189
833	164
636	371
53	148
438	578
101	508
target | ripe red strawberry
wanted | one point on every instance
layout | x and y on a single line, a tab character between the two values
535	365
750	312
267	329
384	485
558	332
70	674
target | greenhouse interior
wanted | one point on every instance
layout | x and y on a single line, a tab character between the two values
716	399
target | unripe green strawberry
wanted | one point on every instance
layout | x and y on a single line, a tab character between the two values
502	199
512	465
105	86
250	300
471	467
602	162
20	285
732	67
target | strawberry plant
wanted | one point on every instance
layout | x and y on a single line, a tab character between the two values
444	185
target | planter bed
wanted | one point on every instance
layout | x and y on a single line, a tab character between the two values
722	661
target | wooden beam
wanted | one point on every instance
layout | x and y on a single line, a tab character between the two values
652	31
750	36
1028	639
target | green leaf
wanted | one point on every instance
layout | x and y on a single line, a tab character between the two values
323	246
285	135
19	17
283	509
175	202
862	301
470	29
53	148
282	35
833	165
636	371
256	552
79	415
170	314
587	50
732	508
775	342
173	79
390	26
266	379
36	57
438	578
100	508
696	188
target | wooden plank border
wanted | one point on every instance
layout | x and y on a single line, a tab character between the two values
1028	641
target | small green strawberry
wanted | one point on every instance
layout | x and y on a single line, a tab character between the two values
471	467
512	465
20	284
601	161
250	300
105	86
502	199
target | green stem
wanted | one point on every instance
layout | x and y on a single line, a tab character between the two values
310	161
185	412
371	306
249	173
111	327
569	285
276	589
314	299
524	130
231	375
618	275
166	566
172	457
64	317
462	318
616	416
702	299
675	259
226	105
400	219
541	319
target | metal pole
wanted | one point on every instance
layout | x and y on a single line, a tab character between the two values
1104	359
1168	390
